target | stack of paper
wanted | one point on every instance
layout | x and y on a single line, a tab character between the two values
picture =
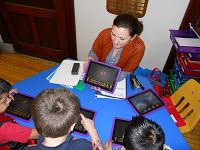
119	93
62	75
190	42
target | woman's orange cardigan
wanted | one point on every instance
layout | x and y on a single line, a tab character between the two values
131	54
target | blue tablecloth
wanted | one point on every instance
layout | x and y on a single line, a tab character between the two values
106	109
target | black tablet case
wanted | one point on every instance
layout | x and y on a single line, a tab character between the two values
20	106
88	114
145	102
102	75
118	130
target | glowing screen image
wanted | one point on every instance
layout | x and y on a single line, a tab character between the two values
102	75
79	127
21	106
119	129
145	102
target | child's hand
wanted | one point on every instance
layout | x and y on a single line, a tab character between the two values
12	92
5	100
87	123
108	145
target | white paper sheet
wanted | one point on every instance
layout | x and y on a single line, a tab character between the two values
120	91
63	74
190	42
51	75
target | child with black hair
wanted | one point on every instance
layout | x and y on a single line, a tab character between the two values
9	129
142	134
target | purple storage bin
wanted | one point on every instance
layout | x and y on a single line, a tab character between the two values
194	56
183	34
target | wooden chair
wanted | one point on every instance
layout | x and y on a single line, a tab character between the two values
187	102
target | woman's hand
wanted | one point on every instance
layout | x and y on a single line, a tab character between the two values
96	88
86	63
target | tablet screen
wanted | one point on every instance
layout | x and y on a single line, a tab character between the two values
20	106
118	130
145	102
102	75
88	114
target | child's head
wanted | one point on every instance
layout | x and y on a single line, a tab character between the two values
55	112
5	87
142	134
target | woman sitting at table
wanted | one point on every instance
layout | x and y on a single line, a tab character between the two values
120	45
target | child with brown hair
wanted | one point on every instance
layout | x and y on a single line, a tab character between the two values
55	113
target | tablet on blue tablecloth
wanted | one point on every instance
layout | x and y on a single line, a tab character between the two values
20	106
88	114
119	127
102	75
145	102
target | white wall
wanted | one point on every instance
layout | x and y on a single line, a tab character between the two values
161	15
1	40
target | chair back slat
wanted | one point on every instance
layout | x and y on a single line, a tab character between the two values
187	102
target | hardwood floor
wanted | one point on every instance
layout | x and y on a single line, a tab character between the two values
193	138
16	67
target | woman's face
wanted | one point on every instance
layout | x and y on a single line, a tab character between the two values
120	37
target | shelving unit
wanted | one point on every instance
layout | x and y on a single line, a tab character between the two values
186	63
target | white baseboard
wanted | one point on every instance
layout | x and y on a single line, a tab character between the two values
6	47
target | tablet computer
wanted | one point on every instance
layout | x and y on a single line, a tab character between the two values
145	102
88	114
118	130
102	75
20	106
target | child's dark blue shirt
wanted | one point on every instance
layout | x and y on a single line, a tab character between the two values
69	144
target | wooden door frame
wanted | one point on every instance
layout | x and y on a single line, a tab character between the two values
63	15
3	30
